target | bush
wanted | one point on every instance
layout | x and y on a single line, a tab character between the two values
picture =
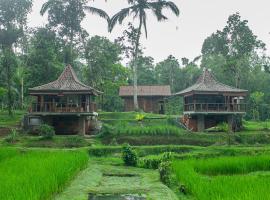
224	127
165	170
106	130
12	137
153	161
129	156
46	131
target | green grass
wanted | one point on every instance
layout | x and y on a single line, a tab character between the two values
126	115
38	174
256	125
9	121
149	130
232	178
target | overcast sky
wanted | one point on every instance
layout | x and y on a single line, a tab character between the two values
182	36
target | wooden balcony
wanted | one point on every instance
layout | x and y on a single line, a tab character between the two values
214	108
50	107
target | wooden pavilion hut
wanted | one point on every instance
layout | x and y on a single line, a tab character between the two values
66	104
151	99
209	102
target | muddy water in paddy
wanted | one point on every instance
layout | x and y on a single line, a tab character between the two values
115	197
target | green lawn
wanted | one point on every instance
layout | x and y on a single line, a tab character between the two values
226	178
37	174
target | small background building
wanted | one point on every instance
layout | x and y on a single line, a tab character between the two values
66	104
209	102
150	98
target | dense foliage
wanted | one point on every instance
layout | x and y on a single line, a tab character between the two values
30	57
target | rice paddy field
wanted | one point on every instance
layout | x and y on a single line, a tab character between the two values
37	174
226	178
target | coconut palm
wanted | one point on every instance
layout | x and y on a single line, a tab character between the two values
138	9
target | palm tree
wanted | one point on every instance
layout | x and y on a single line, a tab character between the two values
69	14
138	9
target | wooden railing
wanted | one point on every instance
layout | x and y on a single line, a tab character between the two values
62	107
214	107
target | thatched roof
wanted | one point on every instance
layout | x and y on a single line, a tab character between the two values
67	82
127	91
207	83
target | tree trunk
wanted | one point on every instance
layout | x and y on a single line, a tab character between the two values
22	91
71	47
135	67
7	65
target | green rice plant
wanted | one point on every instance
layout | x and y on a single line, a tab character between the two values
166	130
7	153
229	178
39	174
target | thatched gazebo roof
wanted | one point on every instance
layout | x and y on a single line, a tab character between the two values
207	84
67	83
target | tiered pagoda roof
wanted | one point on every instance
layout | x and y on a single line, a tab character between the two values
67	82
207	83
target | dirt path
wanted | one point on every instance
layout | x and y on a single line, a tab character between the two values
108	176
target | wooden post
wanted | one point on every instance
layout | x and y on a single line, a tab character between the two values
82	125
201	123
41	103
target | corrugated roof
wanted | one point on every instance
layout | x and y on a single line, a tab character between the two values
146	91
67	81
208	83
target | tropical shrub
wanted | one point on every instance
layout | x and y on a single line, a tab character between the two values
153	161
165	169
46	131
12	137
129	156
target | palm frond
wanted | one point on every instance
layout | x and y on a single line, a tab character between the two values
119	17
172	6
158	6
46	6
96	11
144	24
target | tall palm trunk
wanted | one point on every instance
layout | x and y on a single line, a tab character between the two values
71	47
135	67
22	92
7	65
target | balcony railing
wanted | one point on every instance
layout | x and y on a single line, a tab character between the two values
214	107
50	107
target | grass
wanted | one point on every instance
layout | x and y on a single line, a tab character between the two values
256	125
149	130
241	177
126	115
37	174
56	142
7	121
108	176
